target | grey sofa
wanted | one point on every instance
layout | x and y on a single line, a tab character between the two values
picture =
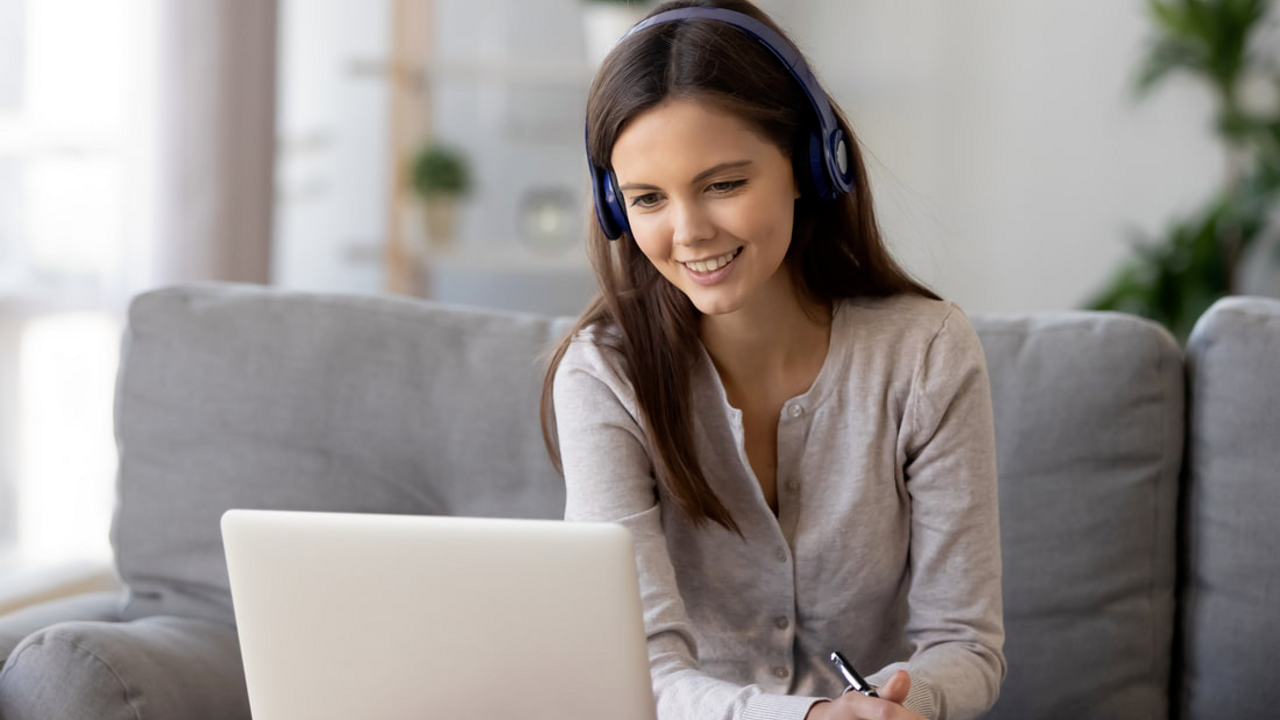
1138	488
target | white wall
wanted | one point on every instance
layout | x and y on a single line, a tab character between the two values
510	85
331	125
1010	160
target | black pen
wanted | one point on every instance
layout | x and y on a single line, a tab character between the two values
855	680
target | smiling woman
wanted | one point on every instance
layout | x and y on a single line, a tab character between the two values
798	435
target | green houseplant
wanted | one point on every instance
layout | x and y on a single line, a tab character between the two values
440	176
1198	260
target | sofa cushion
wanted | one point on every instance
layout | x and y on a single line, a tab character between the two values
159	667
1229	649
17	625
1088	411
245	396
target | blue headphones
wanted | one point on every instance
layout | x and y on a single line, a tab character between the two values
829	164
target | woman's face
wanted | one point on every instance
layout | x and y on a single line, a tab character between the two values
710	202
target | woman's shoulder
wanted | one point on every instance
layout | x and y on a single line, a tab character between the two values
593	352
594	346
904	318
906	338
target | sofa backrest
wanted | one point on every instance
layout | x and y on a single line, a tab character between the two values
245	396
1228	654
242	396
1088	411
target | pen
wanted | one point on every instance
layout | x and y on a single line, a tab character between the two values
855	680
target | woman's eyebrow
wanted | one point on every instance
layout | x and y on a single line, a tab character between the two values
697	178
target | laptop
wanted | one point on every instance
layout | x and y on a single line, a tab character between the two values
395	617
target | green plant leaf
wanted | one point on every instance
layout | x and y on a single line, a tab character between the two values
1164	57
1174	279
1208	38
440	170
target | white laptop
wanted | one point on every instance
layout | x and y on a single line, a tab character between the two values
394	617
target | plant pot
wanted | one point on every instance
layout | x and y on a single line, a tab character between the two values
441	218
604	24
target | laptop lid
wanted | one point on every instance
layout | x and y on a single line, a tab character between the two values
398	617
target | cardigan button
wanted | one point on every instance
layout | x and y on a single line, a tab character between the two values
782	623
781	673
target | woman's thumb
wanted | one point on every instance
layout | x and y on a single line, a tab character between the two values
896	689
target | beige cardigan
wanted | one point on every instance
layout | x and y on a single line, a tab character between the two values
885	546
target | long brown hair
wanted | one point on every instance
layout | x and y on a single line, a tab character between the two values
836	250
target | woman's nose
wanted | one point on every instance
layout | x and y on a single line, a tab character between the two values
691	224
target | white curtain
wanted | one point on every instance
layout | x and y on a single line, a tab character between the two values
215	140
136	150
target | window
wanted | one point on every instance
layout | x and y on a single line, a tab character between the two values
74	88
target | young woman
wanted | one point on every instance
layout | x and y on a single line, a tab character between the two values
797	434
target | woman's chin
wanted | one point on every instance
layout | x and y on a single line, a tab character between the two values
715	305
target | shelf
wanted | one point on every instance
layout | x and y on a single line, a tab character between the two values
493	71
505	258
507	276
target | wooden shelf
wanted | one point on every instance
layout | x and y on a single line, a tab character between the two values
569	75
505	258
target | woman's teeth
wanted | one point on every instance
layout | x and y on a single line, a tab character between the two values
713	264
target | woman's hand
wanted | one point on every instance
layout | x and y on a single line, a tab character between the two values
856	706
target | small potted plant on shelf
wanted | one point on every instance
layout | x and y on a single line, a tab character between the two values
604	22
440	177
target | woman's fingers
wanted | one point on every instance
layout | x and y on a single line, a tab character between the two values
896	689
856	706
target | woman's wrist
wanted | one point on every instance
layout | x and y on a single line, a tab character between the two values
818	710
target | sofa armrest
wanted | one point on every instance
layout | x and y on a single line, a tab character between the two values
156	667
1229	644
17	625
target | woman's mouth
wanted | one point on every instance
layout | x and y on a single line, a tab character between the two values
712	270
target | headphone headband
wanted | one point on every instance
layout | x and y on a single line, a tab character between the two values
829	164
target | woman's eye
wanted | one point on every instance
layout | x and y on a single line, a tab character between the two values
726	186
644	201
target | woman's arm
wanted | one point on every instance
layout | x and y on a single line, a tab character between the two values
956	617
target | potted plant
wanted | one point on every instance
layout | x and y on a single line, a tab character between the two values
604	22
1175	278
440	176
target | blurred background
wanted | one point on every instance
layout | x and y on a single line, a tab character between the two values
434	148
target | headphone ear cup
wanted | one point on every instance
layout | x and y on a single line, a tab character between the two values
617	206
841	164
817	170
609	211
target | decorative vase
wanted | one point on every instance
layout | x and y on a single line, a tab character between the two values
441	215
604	23
548	221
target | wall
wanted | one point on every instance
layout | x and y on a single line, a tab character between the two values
332	133
1010	160
1011	164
